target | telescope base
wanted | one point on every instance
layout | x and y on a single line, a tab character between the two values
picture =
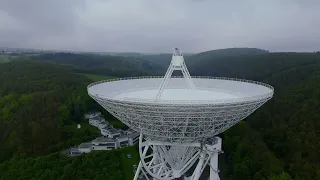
158	164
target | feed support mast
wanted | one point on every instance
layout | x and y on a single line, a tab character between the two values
177	63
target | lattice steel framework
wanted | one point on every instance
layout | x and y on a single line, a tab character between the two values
181	121
175	133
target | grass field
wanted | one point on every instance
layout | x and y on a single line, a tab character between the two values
5	58
127	163
96	77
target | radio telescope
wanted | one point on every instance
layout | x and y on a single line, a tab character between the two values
179	118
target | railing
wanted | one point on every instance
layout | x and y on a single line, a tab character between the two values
159	101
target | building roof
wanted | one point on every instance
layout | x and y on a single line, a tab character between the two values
122	137
85	145
134	134
103	139
103	123
73	150
92	114
110	130
128	131
97	118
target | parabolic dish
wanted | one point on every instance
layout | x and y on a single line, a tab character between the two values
181	114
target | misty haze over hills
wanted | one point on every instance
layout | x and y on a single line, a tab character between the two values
29	50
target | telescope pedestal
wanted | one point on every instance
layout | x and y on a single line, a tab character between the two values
167	161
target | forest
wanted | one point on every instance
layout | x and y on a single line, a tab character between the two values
42	97
38	102
95	165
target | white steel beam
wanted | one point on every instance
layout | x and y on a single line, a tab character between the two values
177	63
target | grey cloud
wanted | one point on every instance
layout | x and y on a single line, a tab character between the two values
158	26
54	17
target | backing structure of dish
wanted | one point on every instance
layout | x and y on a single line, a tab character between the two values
181	114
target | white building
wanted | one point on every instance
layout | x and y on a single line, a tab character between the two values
107	143
133	138
74	152
85	147
110	132
91	115
104	143
127	140
97	121
102	125
112	138
122	141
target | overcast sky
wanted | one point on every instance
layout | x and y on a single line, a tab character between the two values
160	25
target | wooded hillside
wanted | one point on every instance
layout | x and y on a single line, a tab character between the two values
40	102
